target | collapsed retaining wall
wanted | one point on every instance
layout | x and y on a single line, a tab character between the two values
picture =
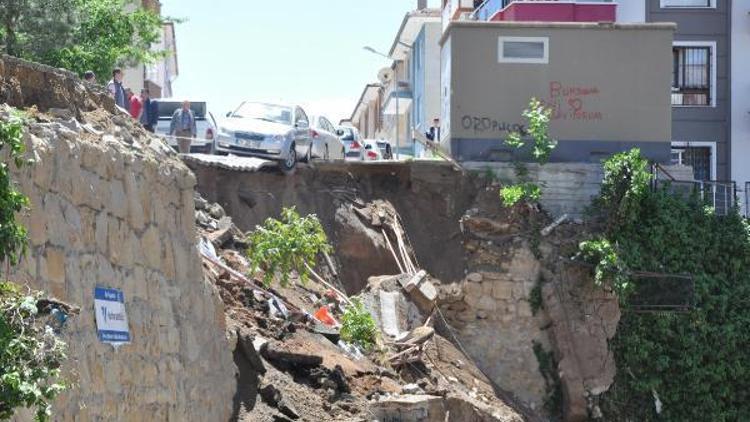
111	207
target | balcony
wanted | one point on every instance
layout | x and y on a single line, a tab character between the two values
547	11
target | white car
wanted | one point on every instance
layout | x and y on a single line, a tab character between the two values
371	151
325	143
272	131
352	141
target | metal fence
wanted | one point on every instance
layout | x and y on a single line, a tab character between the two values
720	195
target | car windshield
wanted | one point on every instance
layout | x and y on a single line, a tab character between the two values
267	112
348	134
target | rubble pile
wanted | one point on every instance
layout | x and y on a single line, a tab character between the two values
293	364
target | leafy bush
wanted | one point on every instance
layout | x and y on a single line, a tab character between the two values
697	362
538	117
13	236
626	181
358	326
282	246
30	356
513	194
609	269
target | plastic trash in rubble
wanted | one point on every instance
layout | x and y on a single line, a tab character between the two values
350	349
324	316
207	248
276	308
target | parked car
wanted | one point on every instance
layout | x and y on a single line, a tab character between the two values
352	141
273	131
326	144
370	151
204	122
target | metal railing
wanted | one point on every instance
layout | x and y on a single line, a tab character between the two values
720	195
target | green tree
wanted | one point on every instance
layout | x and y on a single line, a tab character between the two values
108	36
30	352
30	27
80	35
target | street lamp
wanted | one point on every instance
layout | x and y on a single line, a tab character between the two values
398	87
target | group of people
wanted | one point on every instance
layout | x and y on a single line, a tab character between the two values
141	107
146	110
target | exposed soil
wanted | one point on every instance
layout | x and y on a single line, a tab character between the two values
315	379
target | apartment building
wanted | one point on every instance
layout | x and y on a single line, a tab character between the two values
408	95
601	102
367	114
710	81
159	76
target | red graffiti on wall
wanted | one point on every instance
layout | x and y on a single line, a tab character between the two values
568	102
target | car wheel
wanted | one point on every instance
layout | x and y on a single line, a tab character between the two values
290	164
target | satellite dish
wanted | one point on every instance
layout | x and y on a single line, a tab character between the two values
385	75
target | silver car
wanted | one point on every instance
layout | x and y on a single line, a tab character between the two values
326	144
276	132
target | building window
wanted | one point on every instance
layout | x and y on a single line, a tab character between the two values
700	157
523	50
692	75
688	3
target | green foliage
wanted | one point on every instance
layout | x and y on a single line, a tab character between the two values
108	36
609	269
30	356
282	246
513	194
13	235
358	326
548	368
697	362
33	26
538	117
626	181
536	301
80	35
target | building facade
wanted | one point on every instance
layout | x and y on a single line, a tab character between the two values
709	76
601	103
367	114
156	77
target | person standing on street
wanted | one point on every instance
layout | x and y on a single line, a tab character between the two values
183	127
135	104
117	91
434	133
150	113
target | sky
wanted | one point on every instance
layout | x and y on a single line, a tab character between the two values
307	52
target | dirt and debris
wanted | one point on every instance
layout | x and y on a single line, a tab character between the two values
293	366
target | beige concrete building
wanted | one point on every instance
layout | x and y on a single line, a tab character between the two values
367	115
158	76
608	86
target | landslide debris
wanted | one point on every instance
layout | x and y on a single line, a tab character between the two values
291	366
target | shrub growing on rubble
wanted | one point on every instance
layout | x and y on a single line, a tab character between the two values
358	326
538	117
290	244
30	355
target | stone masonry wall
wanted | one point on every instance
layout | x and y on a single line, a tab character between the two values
111	207
490	309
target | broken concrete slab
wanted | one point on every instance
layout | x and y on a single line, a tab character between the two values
417	408
245	341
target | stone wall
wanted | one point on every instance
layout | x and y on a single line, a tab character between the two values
111	207
491	311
